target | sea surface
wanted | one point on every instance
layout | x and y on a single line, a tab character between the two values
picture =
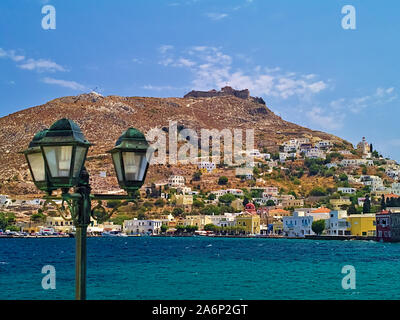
201	268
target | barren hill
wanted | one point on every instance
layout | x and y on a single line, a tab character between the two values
103	119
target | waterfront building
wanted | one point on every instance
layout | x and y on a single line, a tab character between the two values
337	225
298	225
388	225
383	229
198	220
362	224
142	226
59	224
278	214
251	223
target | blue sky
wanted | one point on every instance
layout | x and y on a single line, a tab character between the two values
295	54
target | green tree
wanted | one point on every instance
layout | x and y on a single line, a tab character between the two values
352	209
367	205
38	217
211	196
383	203
164	228
223	180
6	220
227	198
270	203
318	226
317	192
119	219
198	204
159	203
177	212
197	176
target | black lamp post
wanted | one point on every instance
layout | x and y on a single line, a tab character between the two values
56	160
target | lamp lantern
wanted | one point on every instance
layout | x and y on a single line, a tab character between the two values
64	150
131	159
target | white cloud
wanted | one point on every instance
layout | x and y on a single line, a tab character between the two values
65	83
10	54
325	120
41	65
211	68
164	48
216	16
158	88
379	97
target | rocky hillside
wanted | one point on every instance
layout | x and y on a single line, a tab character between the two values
103	119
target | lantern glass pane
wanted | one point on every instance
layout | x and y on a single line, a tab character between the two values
59	160
36	162
134	165
117	164
79	159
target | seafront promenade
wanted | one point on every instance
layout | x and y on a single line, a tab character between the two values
309	237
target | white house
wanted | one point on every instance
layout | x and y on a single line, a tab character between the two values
297	225
337	224
315	153
331	165
356	162
374	182
347	190
235	192
5	200
323	144
176	181
270	191
205	165
142	226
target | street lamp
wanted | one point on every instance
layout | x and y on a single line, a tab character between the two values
35	160
56	160
130	160
64	149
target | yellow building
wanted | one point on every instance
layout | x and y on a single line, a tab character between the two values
197	220
277	227
251	223
59	224
29	226
362	224
336	203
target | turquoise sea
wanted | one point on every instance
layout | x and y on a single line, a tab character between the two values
202	268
